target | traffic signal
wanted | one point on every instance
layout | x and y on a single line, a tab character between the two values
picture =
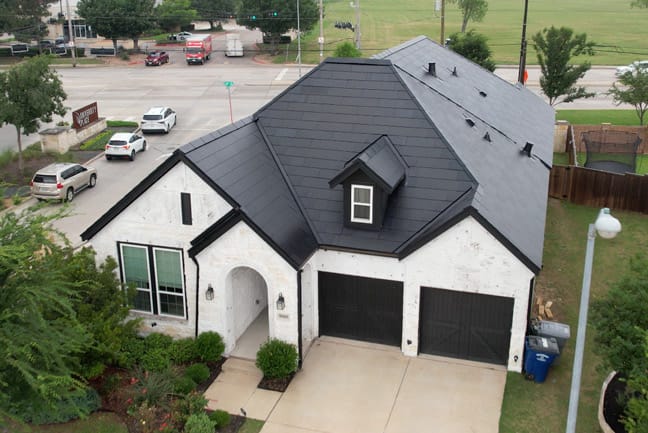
273	14
252	17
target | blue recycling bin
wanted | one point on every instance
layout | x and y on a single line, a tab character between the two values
539	354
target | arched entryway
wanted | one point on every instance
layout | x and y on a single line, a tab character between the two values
248	293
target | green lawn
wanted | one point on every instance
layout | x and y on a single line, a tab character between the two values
98	422
533	408
596	117
618	30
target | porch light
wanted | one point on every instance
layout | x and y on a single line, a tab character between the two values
281	302
209	294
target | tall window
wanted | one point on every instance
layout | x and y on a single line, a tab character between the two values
158	276
361	204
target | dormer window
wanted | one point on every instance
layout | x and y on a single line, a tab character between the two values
361	204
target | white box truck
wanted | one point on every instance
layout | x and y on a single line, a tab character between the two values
234	46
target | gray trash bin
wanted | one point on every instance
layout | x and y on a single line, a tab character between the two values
559	331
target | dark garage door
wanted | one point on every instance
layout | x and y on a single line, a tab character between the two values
465	325
366	309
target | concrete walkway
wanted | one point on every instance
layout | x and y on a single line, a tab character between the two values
354	387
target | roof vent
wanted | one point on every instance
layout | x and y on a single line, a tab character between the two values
470	122
487	137
483	94
432	69
527	149
454	71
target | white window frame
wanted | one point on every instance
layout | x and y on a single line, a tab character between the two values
148	273
355	219
157	284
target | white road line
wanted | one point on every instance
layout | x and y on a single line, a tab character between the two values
281	74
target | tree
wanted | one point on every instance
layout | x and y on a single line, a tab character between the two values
175	14
214	10
555	48
30	93
633	92
23	18
640	3
275	17
116	19
474	10
473	46
347	49
40	337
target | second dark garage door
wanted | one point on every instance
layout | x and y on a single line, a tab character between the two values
465	325
366	309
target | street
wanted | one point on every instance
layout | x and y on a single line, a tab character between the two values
200	98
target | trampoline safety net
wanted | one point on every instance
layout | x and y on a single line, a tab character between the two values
614	151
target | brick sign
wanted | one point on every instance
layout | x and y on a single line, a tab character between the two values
85	116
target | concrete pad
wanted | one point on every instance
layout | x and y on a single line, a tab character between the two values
270	427
230	397
261	403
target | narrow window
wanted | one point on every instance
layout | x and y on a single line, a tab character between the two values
170	289
185	201
136	273
361	204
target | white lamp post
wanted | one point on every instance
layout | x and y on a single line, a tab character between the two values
607	227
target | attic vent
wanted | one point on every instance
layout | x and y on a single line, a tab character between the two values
527	149
454	71
432	69
483	94
487	137
470	122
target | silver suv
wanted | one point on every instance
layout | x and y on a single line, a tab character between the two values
62	181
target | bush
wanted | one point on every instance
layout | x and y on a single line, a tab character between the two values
97	142
121	123
197	372
67	409
220	418
184	385
184	351
156	360
277	359
151	387
210	346
346	49
199	423
183	408
132	351
156	340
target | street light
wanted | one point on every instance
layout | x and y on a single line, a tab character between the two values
607	227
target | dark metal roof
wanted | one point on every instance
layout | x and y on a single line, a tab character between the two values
380	161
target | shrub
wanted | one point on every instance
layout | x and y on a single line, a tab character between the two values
156	360
184	385
158	341
210	346
220	418
184	351
132	351
97	142
347	49
150	386
121	123
199	423
277	358
64	410
124	55
197	372
192	403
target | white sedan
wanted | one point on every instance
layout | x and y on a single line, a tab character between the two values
634	66
125	145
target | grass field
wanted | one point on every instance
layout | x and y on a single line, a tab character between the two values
618	30
596	117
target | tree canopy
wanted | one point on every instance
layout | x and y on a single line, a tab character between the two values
555	49
30	93
640	3
23	18
115	19
275	17
633	90
175	14
347	49
473	46
471	10
214	10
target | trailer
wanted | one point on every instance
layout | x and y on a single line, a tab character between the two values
234	46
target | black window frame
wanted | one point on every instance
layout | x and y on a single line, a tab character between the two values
185	208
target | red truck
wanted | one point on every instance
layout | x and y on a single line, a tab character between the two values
198	49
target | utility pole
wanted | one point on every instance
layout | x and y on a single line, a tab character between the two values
357	25
523	45
71	34
298	41
321	25
442	40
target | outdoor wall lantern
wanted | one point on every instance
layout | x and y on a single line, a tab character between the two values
209	294
281	302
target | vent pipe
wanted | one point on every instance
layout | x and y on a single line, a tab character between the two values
527	149
432	69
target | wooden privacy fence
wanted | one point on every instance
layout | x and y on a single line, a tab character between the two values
599	188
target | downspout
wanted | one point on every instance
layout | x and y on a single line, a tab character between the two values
197	291
299	318
530	306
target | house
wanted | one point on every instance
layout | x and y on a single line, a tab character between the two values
398	200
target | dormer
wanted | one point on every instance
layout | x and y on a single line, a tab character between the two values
368	179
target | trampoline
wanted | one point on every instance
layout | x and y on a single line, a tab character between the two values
613	151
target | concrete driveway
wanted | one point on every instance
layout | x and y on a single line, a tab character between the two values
353	387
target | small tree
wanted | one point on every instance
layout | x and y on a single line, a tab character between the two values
471	10
633	92
214	10
347	49
30	93
473	46
175	14
555	48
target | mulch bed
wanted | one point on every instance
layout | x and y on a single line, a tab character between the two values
279	384
612	409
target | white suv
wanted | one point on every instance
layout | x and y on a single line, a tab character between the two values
160	119
125	144
632	67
